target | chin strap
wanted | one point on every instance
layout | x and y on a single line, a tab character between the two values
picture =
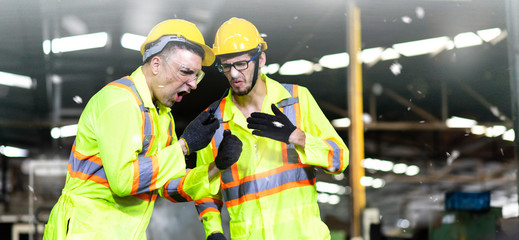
256	69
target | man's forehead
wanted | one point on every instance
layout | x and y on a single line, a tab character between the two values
186	59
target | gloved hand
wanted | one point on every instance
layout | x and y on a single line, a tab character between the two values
199	132
277	127
216	236
229	151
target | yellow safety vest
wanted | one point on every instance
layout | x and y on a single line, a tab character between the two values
125	154
270	192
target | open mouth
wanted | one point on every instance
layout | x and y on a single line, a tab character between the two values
180	95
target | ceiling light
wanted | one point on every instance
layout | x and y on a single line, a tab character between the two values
378	183
390	54
270	69
421	47
334	200
399	168
132	41
495	131
371	56
341	122
467	39
15	80
327	187
13	151
296	67
489	34
509	135
458	122
76	43
478	130
334	61
65	131
412	170
366	181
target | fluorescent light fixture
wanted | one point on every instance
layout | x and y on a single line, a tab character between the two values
509	135
478	130
334	200
412	170
327	187
366	181
467	39
377	164
495	131
13	151
421	47
489	34
132	41
76	43
341	122
399	168
371	56
65	131
297	67
15	80
378	183
270	69
334	61
458	122
390	54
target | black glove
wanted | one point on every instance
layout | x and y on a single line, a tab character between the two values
277	127
199	132
229	151
216	236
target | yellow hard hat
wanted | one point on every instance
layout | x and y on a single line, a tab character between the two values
237	35
176	30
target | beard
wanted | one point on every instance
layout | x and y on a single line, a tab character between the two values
242	92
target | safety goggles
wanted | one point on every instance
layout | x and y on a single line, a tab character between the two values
185	73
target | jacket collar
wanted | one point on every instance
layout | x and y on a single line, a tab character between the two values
275	94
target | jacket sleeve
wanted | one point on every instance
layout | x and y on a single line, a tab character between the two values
324	148
209	208
194	186
117	127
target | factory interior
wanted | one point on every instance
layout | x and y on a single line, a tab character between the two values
436	156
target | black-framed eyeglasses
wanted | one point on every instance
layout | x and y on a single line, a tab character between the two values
240	65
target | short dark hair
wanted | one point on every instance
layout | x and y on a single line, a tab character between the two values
173	46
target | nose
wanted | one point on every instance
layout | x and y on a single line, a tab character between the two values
234	72
192	84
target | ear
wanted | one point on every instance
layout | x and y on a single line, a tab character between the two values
262	59
155	63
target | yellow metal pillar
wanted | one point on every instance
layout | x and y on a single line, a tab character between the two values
356	141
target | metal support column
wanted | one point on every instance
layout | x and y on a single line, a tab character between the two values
512	22
356	134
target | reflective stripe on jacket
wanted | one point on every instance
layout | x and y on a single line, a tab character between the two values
125	151
270	192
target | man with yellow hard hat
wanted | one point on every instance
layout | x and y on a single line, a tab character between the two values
270	192
126	152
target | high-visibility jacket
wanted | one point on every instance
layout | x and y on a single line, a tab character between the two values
270	193
126	153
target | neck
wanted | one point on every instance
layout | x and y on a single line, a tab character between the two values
148	75
253	101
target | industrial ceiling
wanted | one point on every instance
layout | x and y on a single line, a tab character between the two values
408	108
